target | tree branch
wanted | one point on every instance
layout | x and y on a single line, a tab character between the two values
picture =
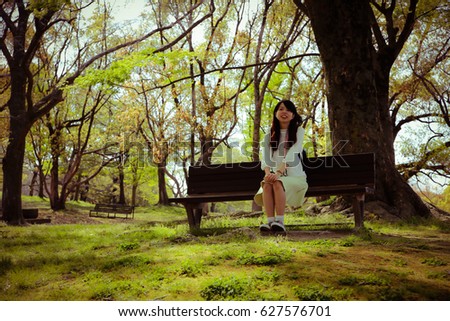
407	28
233	68
410	119
411	169
47	103
70	80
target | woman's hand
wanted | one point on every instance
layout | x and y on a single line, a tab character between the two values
271	178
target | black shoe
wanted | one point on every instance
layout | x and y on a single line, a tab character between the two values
278	228
264	228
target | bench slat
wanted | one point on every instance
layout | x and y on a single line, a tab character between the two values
216	179
313	191
214	197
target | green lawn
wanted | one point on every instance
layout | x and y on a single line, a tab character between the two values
155	257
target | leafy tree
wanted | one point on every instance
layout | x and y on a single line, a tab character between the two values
419	97
216	95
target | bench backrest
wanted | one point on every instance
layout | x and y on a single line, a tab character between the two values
231	177
357	169
119	208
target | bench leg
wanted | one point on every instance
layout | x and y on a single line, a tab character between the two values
358	210
194	214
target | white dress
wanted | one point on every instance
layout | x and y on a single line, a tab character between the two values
294	181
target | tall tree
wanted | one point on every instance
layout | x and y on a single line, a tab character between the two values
275	35
357	52
215	105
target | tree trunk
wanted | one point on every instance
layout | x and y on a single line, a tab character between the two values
206	150
12	173
41	193
134	188
54	182
121	183
77	191
358	89
34	180
163	196
19	126
256	123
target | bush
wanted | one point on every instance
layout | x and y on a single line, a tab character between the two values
5	265
191	269
434	262
129	246
225	289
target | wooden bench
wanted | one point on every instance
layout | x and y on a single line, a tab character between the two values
352	174
112	210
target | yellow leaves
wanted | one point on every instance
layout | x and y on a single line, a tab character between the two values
41	7
128	119
243	38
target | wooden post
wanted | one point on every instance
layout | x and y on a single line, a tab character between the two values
194	214
358	210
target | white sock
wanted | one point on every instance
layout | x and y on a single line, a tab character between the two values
271	219
280	219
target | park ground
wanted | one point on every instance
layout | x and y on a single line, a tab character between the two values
155	257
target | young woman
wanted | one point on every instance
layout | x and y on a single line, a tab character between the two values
285	180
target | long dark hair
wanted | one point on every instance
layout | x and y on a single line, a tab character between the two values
292	129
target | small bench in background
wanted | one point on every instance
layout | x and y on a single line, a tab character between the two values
112	210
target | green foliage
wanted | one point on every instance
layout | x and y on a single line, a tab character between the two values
191	268
129	246
41	7
134	261
5	264
148	258
268	259
442	201
314	293
121	70
432	261
226	289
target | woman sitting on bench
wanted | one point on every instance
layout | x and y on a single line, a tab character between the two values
285	180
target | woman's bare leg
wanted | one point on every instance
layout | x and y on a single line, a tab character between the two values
269	200
279	198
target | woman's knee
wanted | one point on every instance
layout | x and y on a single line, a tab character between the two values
267	188
278	186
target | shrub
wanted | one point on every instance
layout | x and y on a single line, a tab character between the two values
391	294
349	280
129	246
434	262
5	265
191	269
225	289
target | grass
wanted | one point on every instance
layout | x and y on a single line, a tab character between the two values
154	257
